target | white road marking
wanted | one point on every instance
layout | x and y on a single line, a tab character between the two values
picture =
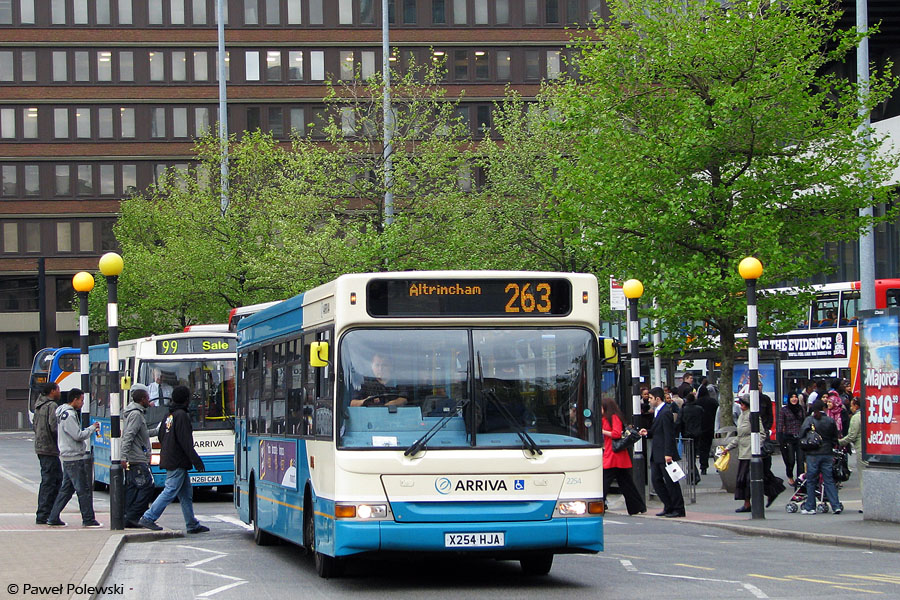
232	521
628	566
747	586
220	589
203	550
204	560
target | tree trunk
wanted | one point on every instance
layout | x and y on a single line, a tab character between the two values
726	379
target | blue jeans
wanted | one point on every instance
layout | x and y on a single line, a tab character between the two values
76	479
815	464
51	479
178	484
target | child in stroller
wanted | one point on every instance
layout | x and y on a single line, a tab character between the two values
841	472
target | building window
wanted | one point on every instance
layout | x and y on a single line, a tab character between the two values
82	66
8	123
126	66
6	12
294	13
348	121
179	66
107	237
198	12
502	10
368	63
107	180
158	123
482	66
346	57
65	294
80	12
201	121
551	9
227	66
461	65
58	12
273	12
484	119
345	12
276	122
317	65
129	179
63	237
125	17
298	124
531	12
553	64
62	180
126	115
481	12
438	12
32	180
315	12
30	123
6	66
10	238
155	12
29	65
86	236
503	62
366	12
83	122
9	180
459	12
60	72
409	12
179	122
251	12
176	12
273	65
60	123
295	65
157	65
85	183
18	295
103	14
32	237
105	123
251	66
104	66
201	72
532	64
26	12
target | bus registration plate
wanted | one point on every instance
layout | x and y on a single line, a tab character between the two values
206	479
473	540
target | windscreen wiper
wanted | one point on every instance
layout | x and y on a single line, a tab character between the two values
420	443
527	440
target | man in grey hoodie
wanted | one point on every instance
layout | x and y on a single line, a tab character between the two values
136	454
75	452
46	449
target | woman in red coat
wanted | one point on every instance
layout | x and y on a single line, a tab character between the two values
617	465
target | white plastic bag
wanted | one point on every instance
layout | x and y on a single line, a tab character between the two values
675	472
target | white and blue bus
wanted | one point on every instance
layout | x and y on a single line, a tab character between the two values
418	412
61	366
205	363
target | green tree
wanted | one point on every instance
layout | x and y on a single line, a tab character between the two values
706	132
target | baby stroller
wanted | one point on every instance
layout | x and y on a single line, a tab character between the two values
841	472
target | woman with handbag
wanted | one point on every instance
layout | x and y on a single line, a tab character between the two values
742	443
792	415
618	464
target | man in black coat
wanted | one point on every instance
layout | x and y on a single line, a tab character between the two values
177	456
664	450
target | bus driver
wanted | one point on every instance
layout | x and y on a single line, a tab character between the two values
381	389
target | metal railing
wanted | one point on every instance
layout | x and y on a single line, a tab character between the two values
688	464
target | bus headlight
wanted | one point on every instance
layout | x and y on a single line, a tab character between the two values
154	460
579	508
371	511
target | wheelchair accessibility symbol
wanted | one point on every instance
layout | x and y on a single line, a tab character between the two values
519	485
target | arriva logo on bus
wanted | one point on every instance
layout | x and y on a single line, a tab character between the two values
209	444
444	486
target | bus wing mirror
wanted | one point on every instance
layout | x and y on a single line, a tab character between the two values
610	351
318	354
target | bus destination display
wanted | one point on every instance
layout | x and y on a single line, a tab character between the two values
469	297
195	346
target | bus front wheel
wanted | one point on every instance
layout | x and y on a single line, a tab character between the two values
326	566
536	564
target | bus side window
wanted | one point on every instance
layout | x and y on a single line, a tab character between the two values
849	306
892	298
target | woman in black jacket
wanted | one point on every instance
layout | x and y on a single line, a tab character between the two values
819	460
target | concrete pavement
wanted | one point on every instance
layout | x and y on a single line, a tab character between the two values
63	562
715	507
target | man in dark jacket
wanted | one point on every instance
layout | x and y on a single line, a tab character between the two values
710	407
692	427
664	450
136	454
47	450
819	460
177	455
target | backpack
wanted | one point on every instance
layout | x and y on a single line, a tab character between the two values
811	440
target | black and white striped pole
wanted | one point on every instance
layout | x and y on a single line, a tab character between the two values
633	290
751	269
111	265
83	283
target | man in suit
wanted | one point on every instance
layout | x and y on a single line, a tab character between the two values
664	450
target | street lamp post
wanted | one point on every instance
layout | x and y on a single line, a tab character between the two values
633	290
83	283
751	269
111	266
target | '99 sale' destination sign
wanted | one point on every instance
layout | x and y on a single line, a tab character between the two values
880	353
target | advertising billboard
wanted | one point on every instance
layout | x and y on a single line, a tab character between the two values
879	341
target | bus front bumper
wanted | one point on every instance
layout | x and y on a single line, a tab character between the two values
583	534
